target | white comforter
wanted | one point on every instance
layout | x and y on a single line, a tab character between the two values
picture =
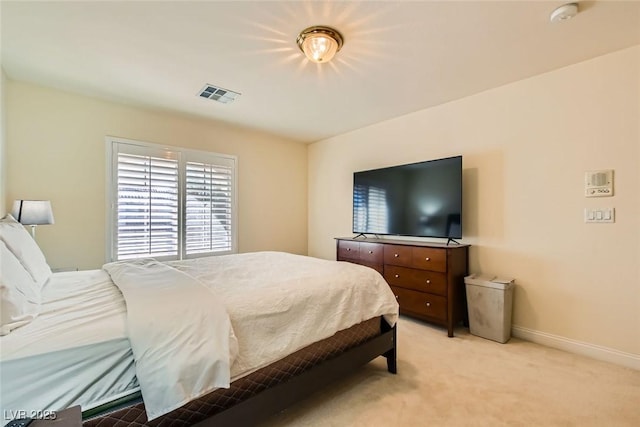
280	302
180	334
277	303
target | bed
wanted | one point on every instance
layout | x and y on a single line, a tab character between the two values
295	324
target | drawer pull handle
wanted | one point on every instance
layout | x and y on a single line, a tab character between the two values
348	249
396	255
428	304
427	259
397	275
428	281
370	252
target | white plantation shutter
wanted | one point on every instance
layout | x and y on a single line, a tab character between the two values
147	206
208	218
170	204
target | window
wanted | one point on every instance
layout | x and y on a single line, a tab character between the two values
208	207
169	203
147	204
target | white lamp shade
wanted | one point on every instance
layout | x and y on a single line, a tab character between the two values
32	212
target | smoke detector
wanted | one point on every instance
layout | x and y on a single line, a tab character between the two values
564	12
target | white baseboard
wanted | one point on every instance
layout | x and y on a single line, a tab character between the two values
628	360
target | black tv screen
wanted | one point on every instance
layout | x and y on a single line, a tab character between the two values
418	199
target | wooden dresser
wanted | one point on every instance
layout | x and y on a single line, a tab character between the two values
427	278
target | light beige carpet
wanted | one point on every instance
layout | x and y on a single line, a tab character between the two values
470	381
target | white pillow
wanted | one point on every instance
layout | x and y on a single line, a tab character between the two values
20	242
19	293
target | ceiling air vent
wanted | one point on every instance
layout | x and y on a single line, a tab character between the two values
225	96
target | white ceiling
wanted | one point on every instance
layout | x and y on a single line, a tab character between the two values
398	57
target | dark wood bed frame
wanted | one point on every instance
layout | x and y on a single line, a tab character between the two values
273	400
281	394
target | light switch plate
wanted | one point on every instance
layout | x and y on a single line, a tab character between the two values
599	215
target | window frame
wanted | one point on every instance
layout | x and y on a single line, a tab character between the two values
184	155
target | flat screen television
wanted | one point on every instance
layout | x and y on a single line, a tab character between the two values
419	199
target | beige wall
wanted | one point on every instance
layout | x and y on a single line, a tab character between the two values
3	134
56	150
526	147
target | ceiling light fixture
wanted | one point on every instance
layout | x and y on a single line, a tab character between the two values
320	43
564	12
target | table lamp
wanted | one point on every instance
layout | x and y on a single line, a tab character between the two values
33	213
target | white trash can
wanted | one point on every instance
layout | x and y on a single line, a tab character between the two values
490	303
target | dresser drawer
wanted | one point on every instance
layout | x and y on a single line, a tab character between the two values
371	252
421	303
348	250
397	255
420	280
429	259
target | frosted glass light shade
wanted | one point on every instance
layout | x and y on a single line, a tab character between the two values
320	44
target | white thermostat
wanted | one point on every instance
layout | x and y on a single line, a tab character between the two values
598	183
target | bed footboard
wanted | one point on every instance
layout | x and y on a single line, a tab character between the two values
272	390
271	401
